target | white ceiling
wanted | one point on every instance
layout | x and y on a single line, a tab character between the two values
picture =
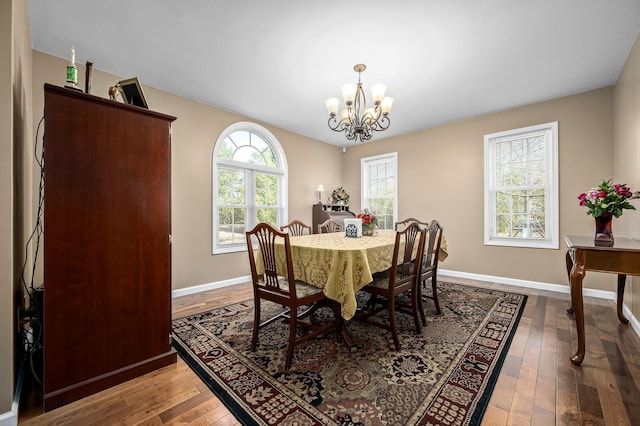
277	61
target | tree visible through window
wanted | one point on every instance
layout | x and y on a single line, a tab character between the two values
249	179
521	187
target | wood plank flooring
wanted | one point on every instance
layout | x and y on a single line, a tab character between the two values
538	385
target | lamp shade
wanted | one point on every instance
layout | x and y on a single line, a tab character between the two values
349	93
320	188
377	92
332	105
345	115
386	105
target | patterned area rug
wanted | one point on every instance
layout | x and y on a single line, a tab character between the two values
443	376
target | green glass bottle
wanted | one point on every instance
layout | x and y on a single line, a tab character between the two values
72	71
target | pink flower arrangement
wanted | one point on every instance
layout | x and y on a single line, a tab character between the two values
608	197
367	218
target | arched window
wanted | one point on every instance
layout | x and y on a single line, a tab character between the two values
249	184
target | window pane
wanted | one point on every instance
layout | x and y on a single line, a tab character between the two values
503	226
248	154
266	190
231	186
269	157
231	227
241	138
536	201
226	149
382	209
258	143
536	148
537	173
268	215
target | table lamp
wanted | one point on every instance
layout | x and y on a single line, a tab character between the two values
320	190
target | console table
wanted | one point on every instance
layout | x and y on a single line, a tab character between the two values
582	256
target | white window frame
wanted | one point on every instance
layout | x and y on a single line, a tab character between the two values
281	171
550	133
364	178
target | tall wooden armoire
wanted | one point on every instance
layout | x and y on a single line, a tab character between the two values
107	251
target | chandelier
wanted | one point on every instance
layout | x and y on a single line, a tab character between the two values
359	122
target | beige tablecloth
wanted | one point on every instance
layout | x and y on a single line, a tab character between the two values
340	265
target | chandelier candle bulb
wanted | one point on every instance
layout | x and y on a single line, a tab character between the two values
386	105
349	93
377	92
332	105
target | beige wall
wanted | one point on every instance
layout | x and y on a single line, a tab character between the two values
626	152
6	206
15	130
195	131
441	177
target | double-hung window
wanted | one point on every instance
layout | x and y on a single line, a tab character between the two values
521	187
379	180
249	184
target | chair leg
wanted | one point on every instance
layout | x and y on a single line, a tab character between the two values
416	305
293	325
256	322
434	290
418	294
392	323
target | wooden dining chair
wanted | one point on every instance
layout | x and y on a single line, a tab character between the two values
401	225
296	227
402	280
281	288
330	225
430	260
429	268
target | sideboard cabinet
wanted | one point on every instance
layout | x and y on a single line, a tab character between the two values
107	252
322	212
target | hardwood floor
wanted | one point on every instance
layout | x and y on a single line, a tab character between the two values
538	385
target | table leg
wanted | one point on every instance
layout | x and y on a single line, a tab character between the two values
577	275
569	262
621	283
349	339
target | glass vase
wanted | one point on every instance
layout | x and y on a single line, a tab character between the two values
604	236
368	230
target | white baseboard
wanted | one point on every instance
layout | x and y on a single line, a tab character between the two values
11	418
209	286
558	288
